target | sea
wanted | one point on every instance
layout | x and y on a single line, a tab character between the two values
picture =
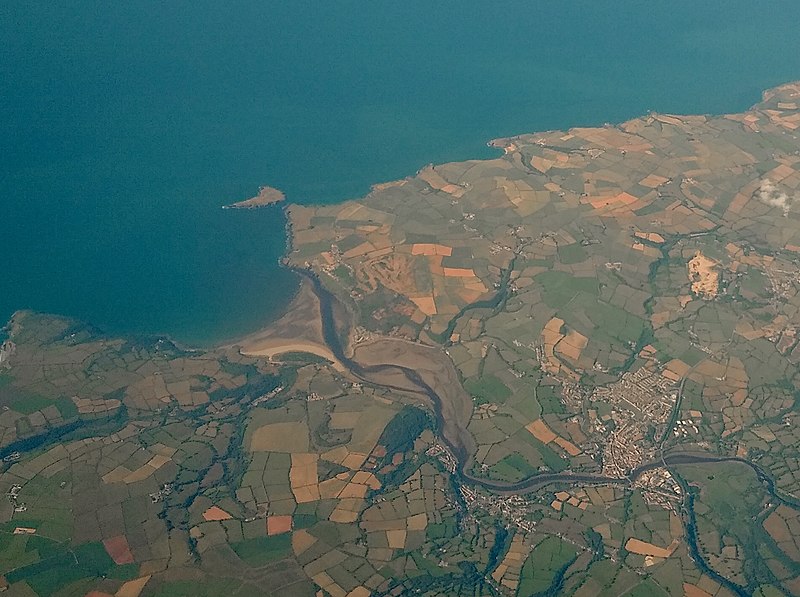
125	126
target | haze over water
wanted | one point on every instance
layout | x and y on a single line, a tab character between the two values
124	129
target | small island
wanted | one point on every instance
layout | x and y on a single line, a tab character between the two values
266	196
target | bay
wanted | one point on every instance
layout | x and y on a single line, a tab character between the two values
124	127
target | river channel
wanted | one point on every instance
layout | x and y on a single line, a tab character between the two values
456	444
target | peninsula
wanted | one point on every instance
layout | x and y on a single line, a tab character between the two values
266	196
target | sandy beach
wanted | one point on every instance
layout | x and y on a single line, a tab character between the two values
298	330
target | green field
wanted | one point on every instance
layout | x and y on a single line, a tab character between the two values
512	468
488	389
30	404
543	564
206	588
262	550
559	288
60	566
550	399
570	254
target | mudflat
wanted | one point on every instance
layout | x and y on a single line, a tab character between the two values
437	371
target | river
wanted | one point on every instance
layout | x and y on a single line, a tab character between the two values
456	443
332	336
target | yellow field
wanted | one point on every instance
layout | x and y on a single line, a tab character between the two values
544	434
643	548
541	431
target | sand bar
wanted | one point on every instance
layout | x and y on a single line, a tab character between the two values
274	347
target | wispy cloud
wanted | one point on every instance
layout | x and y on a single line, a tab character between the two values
771	195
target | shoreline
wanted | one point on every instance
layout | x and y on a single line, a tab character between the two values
499	143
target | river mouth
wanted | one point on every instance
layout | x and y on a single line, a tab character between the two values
402	375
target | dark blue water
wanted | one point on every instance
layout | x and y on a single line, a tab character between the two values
124	126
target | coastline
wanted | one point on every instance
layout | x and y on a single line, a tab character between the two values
503	144
428	370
